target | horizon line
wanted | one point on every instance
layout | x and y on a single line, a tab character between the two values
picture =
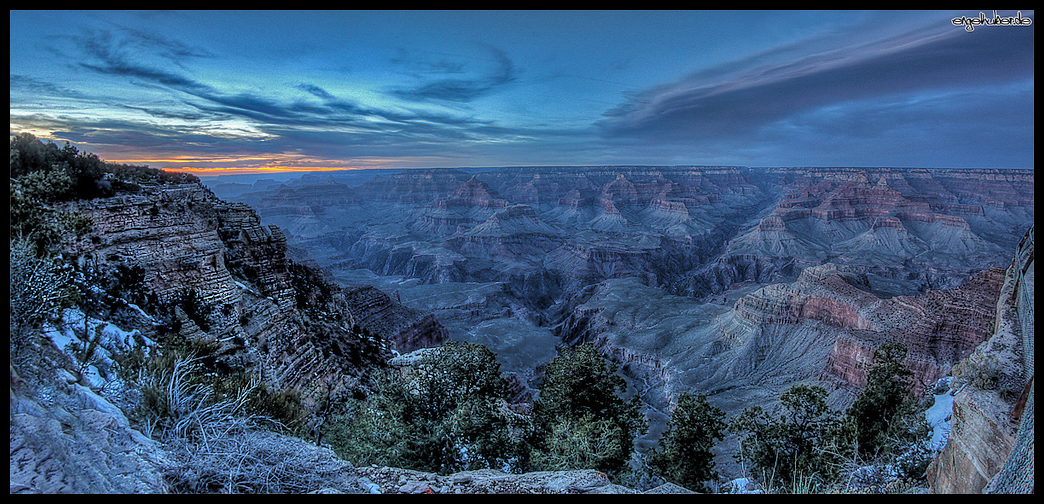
216	172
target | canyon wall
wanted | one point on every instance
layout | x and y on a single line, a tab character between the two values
266	311
690	230
991	443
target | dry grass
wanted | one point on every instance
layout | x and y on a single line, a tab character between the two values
220	449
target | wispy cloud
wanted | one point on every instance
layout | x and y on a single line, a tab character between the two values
316	91
743	96
321	121
268	88
461	89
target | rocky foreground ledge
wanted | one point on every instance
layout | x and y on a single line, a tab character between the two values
488	481
65	437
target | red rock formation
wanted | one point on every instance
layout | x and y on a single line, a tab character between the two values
820	294
938	328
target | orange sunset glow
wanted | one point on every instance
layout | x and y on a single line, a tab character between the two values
253	170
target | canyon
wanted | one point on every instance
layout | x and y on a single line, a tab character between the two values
728	281
731	281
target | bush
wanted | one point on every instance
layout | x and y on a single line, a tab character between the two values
982	371
444	414
806	444
181	405
34	218
128	282
583	443
195	306
252	461
284	406
80	175
41	288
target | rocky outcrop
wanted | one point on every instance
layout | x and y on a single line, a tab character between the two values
407	329
513	217
412	186
700	241
934	226
66	438
388	480
991	442
67	435
264	310
823	327
938	328
916	228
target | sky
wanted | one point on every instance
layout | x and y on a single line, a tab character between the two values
255	91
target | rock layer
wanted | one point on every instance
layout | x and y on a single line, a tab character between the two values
266	311
688	230
991	442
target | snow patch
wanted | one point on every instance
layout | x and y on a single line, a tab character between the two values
142	312
938	416
742	486
76	331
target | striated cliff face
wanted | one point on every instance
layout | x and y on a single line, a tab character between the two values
689	230
407	329
750	346
931	227
266	311
824	326
991	443
592	223
939	328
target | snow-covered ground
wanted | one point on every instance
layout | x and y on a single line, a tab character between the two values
75	332
742	486
938	416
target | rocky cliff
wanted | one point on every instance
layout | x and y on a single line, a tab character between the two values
168	264
935	227
265	310
65	438
148	250
991	443
824	326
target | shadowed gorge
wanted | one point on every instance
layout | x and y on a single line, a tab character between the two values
733	281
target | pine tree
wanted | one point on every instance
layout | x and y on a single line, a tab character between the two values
883	408
444	414
686	456
580	420
804	443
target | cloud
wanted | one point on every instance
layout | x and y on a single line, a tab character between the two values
35	88
315	91
738	99
461	89
109	56
172	50
212	119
